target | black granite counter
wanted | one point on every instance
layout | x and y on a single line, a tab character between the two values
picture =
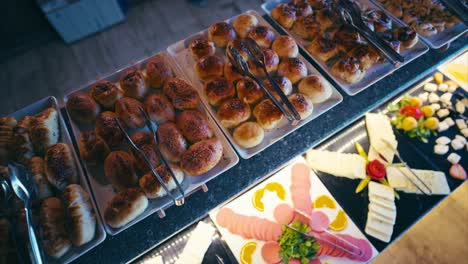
151	231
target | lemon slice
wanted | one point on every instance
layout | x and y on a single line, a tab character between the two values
257	200
247	251
324	201
340	222
277	188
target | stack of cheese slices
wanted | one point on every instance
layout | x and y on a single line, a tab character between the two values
351	166
382	212
435	180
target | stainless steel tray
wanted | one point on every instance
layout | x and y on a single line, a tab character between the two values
100	234
102	189
182	55
374	74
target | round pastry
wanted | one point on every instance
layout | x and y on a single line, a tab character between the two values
125	207
194	126
249	91
302	7
159	108
133	83
267	114
181	93
233	112
231	73
243	24
209	67
283	82
59	166
285	47
406	36
292	68
220	33
153	188
248	134
284	14
302	104
201	47
37	169
201	157
366	54
106	93
316	88
82	107
240	46
307	27
172	143
263	36
326	18
157	71
44	130
129	111
107	129
219	89
347	38
119	169
348	69
93	148
52	230
271	63
145	142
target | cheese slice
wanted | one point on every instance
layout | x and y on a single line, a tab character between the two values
379	235
383	203
383	212
381	218
351	166
435	180
377	225
379	128
381	191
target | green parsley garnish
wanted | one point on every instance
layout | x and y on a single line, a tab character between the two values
297	246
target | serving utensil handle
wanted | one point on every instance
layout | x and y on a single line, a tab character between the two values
36	254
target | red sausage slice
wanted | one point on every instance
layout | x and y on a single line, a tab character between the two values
270	252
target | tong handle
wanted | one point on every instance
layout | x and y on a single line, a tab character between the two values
36	253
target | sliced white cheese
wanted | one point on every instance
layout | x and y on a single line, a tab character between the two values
460	124
445	98
460	107
443	87
379	235
433	98
460	137
449	121
442	127
454	158
381	191
457	144
379	226
435	106
374	155
379	129
351	166
430	87
389	205
381	218
443	113
389	215
441	149
464	132
443	140
435	180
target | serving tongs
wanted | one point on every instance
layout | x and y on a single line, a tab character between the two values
242	67
178	201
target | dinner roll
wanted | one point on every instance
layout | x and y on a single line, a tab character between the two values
292	68
133	83
82	108
145	141
153	188
159	108
172	143
301	7
119	169
219	89
93	148
129	111
323	48
240	45
326	18
284	14
262	35
201	157
52	230
248	134
316	88
37	169
233	112
284	84
244	23
158	71
108	130
366	54
230	73
285	46
249	91
302	104
21	140
271	63
106	93
44	129
348	69
307	27
267	114
181	93
220	33
60	166
201	47
209	67
194	126
125	207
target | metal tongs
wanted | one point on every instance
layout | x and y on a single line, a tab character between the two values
242	67
177	200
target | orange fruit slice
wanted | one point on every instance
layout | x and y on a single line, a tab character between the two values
340	222
277	188
247	251
257	200
324	201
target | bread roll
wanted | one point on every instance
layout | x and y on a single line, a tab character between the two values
244	23
271	63
249	91
22	141
194	126
307	27
316	88
145	142
233	112
348	69
301	7
151	186
202	156
159	108
230	73
302	104
82	108
158	71
267	114
292	68
220	33
284	14
285	47
181	93
80	213
284	84
52	230
240	45
37	168
263	36
407	36
125	207
171	142
60	166
319	4
201	47
119	169
209	67
326	18
129	111
347	38
106	93
248	134
44	130
133	83
6	139
219	89
323	48
108	130
94	149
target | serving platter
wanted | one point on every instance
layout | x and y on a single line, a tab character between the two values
373	74
101	187
181	53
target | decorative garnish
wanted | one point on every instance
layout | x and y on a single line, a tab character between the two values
340	222
272	187
324	201
376	170
247	251
294	245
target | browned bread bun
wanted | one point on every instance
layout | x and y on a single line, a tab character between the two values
323	48
151	186
159	108
326	18
284	84
407	36
302	104
248	134
307	27
267	114
233	112
171	142
348	69
146	143
271	63
244	23
316	88
292	68
319	4
347	38
194	126
285	47
129	111
158	71
209	67
220	33
37	168
133	83
22	141
284	14
119	169
6	138
302	7
230	73
181	93
60	167
80	213
366	54
94	149
240	45
52	230
44	130
263	36
201	157
106	93
201	47
249	91
82	108
219	89
107	129
125	207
